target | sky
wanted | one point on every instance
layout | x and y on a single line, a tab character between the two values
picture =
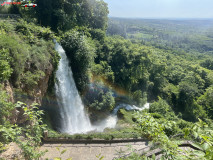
161	8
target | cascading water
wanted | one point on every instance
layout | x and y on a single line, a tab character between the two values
73	116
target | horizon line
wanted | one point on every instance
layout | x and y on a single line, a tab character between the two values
163	18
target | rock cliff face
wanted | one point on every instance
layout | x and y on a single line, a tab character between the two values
43	85
37	94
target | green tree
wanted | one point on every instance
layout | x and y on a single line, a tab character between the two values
64	15
99	18
206	101
207	64
80	52
160	107
187	104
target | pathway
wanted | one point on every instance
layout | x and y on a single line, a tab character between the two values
89	151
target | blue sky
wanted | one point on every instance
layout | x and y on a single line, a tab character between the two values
161	8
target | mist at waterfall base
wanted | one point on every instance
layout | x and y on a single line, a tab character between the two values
111	120
73	117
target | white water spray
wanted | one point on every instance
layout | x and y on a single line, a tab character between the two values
130	108
73	116
111	120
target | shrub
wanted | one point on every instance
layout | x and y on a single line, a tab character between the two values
157	115
18	53
150	128
31	30
5	106
5	69
30	80
183	124
160	107
32	133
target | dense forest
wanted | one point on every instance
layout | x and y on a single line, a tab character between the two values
168	63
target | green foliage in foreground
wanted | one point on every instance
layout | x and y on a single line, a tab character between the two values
155	131
6	106
28	137
200	133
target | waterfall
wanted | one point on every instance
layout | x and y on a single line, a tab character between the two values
73	116
72	113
